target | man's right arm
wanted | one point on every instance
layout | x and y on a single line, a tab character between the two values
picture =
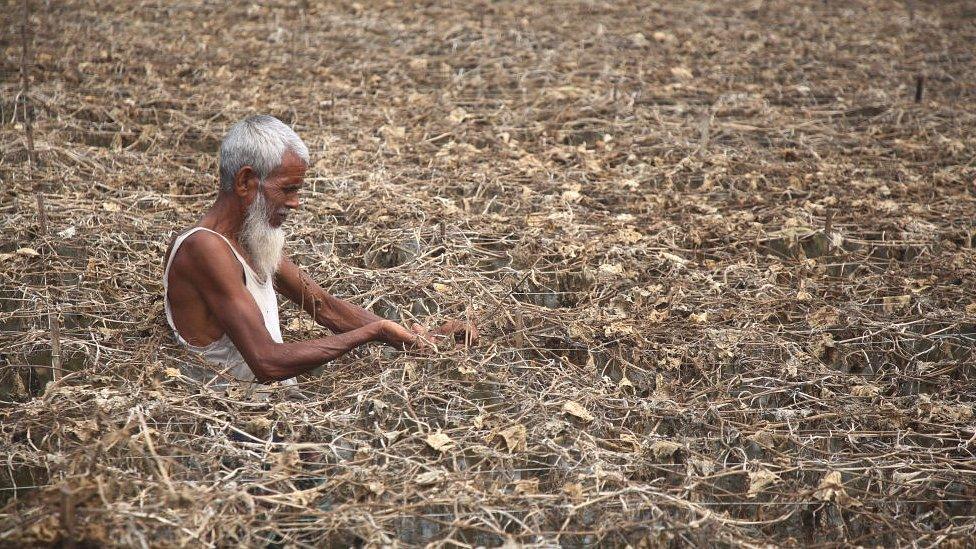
215	272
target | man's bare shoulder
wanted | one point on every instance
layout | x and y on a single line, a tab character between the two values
205	257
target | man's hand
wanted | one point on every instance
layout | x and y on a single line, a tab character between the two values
461	331
400	337
418	337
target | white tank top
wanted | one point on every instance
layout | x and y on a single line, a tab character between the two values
222	352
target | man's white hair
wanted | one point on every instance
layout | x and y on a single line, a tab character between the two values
258	141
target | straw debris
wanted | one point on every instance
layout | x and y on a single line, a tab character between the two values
720	254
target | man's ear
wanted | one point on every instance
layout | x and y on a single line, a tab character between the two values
242	180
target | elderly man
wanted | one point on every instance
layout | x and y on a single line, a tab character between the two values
221	275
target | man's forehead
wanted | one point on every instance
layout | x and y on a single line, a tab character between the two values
291	166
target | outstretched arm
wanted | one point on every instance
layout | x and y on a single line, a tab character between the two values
329	311
216	274
341	316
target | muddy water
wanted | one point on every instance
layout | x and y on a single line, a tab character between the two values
555	291
25	376
845	257
379	255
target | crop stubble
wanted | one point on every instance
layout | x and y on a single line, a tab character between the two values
721	258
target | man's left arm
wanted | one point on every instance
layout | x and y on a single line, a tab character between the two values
341	316
333	313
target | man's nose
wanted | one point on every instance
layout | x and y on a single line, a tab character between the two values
292	203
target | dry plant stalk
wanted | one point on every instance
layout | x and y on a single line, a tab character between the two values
722	257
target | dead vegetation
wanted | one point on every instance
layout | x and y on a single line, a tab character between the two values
721	258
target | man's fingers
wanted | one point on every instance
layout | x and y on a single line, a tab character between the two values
446	328
421	337
460	330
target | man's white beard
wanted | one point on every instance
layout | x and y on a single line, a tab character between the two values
263	242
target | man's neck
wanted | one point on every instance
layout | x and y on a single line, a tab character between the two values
224	217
